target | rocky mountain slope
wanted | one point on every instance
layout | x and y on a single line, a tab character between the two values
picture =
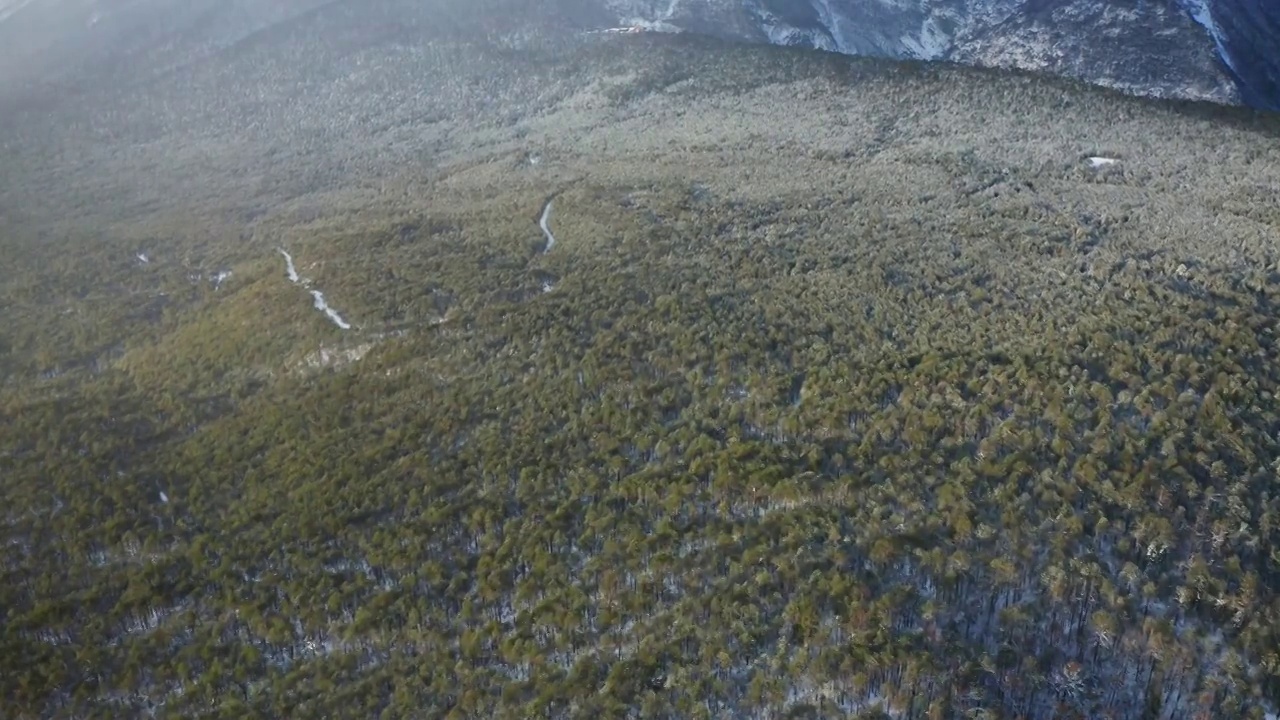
1165	48
1247	33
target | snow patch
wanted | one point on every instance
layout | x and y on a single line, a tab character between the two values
143	259
220	278
652	20
326	357
643	27
138	623
323	307
164	498
1099	161
548	287
780	33
542	223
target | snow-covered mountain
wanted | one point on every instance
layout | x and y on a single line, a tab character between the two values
1221	50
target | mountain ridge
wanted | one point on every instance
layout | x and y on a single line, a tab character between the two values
1222	51
1218	50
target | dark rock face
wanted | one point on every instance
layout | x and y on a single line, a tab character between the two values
1143	47
1250	39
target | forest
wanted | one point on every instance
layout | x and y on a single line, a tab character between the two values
848	388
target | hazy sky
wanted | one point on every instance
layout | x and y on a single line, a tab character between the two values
8	7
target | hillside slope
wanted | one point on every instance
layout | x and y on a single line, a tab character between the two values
846	384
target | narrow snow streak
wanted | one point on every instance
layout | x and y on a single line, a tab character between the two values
1202	13
323	306
542	223
320	303
142	258
288	266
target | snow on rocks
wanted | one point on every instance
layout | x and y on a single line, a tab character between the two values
330	357
931	44
628	30
542	223
215	279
